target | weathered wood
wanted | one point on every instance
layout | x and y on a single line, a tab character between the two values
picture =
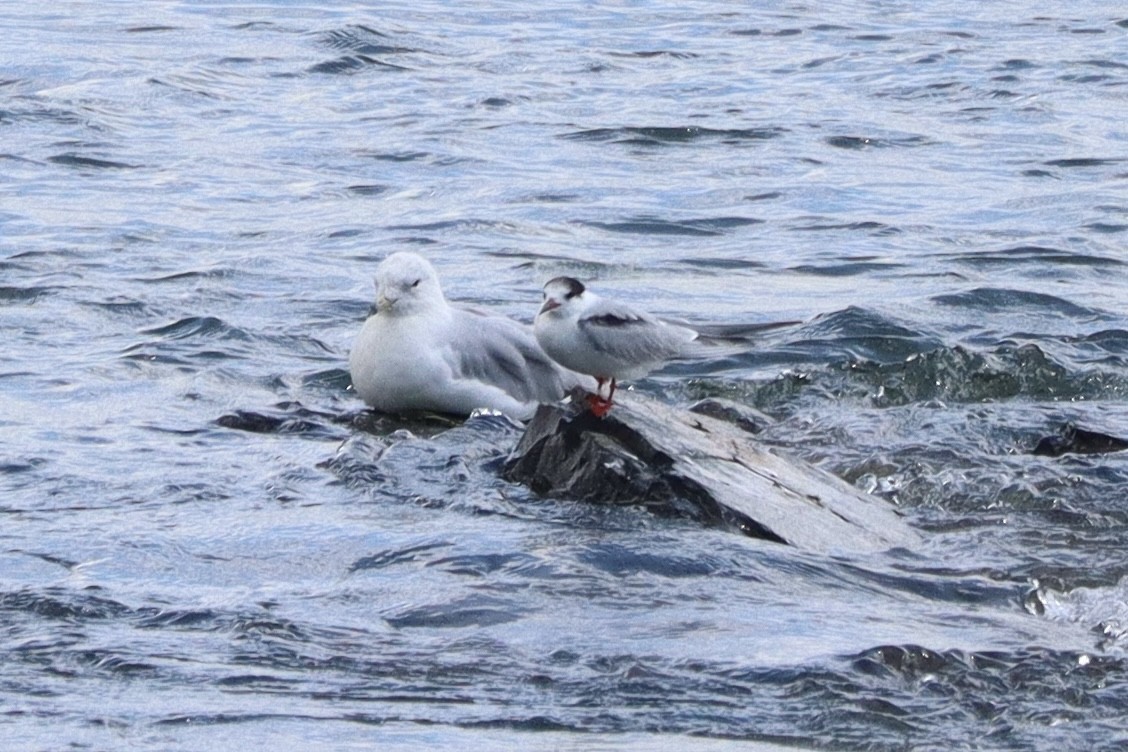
680	462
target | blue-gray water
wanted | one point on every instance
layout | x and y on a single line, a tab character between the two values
193	197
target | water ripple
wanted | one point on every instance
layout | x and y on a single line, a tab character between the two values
77	160
693	227
995	299
658	136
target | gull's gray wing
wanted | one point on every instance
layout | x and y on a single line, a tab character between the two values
503	352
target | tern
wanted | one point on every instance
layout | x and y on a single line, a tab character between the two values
606	339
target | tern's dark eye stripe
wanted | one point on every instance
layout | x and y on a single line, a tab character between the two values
574	286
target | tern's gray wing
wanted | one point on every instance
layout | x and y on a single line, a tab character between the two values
502	352
632	336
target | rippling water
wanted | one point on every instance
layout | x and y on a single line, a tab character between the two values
207	542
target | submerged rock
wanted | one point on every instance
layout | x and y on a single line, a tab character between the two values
1074	440
742	416
685	463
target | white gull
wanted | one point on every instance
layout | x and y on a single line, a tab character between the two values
420	353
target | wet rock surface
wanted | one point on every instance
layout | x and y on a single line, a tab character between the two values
1072	439
692	464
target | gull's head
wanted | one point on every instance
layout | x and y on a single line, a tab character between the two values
406	283
562	297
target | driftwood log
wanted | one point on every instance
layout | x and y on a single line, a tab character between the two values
706	466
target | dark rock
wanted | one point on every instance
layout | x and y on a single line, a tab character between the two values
742	416
688	464
245	420
292	418
1074	440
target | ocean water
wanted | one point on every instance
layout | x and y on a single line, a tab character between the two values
208	542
